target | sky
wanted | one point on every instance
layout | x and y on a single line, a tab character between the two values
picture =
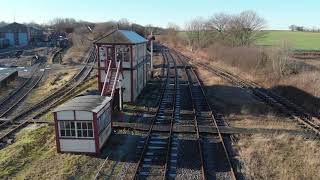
279	14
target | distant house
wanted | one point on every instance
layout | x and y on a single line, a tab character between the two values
20	35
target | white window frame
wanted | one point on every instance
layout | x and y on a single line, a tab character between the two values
103	54
82	129
123	50
65	129
75	129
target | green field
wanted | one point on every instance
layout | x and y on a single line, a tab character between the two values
296	40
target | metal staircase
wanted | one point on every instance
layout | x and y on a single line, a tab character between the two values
111	80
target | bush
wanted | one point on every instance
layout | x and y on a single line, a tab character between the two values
246	58
275	62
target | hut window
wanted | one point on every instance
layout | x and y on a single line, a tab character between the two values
110	54
84	129
102	54
67	129
123	54
75	129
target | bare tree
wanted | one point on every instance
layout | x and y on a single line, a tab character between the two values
101	29
172	33
196	33
293	27
155	29
300	28
173	26
245	28
219	22
124	23
64	24
149	28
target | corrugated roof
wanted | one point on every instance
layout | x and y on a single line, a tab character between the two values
92	103
5	72
133	36
122	37
15	27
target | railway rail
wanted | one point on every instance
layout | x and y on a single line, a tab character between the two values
213	152
164	78
56	97
22	119
154	161
309	120
158	158
8	104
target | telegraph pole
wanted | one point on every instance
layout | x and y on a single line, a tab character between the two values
151	48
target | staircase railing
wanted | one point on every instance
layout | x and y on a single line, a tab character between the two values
115	82
106	79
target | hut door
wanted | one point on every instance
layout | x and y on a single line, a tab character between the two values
110	57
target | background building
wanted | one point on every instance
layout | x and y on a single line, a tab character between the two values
20	35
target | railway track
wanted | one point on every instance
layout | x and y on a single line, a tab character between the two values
56	97
158	152
157	148
296	112
22	118
214	157
159	155
143	144
8	104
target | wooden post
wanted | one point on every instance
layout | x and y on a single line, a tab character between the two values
151	48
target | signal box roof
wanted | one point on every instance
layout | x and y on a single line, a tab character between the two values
121	37
92	103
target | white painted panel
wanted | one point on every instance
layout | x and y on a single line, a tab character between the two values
102	75
126	64
75	145
141	52
103	64
103	110
134	54
65	115
84	115
135	84
140	80
127	85
144	50
148	71
104	135
145	74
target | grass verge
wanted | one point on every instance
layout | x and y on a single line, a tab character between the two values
280	157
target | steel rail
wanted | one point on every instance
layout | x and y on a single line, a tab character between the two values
213	121
43	103
34	83
167	161
145	145
33	80
153	122
269	97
